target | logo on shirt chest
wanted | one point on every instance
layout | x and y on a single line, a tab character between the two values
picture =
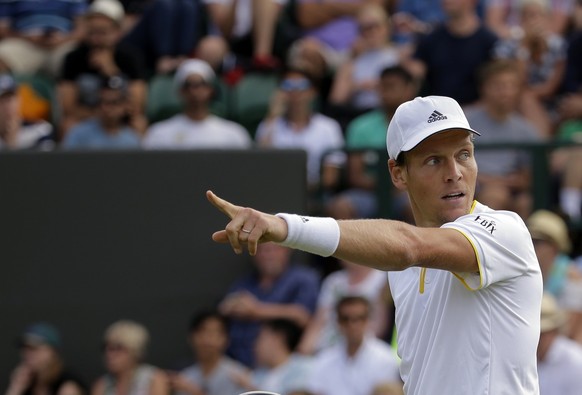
489	225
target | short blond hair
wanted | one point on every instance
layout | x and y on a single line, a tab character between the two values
129	334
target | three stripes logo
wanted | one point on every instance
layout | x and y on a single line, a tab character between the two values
436	116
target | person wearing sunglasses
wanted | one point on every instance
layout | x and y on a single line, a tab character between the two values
196	127
112	127
124	348
355	86
292	123
355	365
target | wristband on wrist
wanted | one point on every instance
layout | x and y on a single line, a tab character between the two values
316	235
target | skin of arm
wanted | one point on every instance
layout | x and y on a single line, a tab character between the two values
159	384
343	86
381	244
223	15
247	306
311	333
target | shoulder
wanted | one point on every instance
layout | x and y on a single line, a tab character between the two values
485	220
320	120
168	124
225	123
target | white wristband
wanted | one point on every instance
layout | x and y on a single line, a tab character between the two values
316	235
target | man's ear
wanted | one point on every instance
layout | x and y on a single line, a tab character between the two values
397	174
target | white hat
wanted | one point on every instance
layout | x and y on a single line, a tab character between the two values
193	66
111	9
417	119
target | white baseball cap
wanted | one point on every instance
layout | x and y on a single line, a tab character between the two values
417	119
111	9
193	66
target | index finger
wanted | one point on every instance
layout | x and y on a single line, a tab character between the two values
226	207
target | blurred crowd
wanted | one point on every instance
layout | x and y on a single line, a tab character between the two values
326	77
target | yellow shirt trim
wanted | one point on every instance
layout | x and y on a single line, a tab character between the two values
423	270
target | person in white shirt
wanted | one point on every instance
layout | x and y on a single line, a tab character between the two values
323	330
279	369
292	124
559	358
196	127
358	363
465	280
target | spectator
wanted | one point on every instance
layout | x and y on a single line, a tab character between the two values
99	56
559	358
213	373
292	123
196	127
279	370
570	111
449	56
503	16
277	288
542	55
561	276
357	365
415	17
167	32
41	369
364	137
330	28
352	279
356	82
125	344
15	133
504	174
38	34
110	128
245	27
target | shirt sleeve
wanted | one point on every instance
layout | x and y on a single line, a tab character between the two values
502	245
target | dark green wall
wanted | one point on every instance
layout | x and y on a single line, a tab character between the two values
89	238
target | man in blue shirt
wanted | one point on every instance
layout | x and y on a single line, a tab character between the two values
277	288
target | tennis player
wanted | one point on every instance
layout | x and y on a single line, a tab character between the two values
465	280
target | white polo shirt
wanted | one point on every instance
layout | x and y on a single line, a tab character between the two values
473	333
336	373
181	132
561	370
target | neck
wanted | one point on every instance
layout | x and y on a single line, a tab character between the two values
353	347
198	113
299	117
44	378
209	363
463	24
111	126
279	358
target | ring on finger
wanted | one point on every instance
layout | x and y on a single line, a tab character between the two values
245	231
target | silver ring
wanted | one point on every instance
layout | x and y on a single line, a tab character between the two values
246	231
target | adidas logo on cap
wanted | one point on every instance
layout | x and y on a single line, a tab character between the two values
436	116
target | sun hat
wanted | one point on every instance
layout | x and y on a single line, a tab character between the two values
552	317
546	225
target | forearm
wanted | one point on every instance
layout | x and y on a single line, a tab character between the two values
294	312
359	241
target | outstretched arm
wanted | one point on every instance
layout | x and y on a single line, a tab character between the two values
381	244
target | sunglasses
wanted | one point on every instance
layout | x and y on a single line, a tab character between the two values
366	27
344	318
295	84
114	347
193	84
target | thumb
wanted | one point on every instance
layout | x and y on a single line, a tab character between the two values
226	207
